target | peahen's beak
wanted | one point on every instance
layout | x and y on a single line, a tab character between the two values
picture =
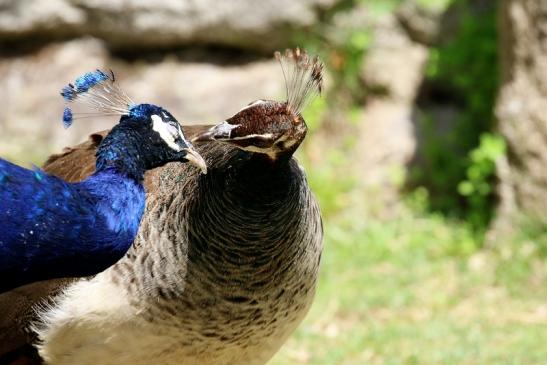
220	132
195	159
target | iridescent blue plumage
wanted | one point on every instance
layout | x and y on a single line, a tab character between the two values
90	79
67	117
84	83
137	111
68	92
50	228
97	88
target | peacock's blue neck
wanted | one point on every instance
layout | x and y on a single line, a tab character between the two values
118	198
50	228
124	152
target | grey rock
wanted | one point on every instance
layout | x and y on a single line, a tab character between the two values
394	65
521	112
265	25
423	23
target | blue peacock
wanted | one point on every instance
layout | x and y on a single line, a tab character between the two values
50	228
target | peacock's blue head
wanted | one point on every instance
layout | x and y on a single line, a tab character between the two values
146	128
165	140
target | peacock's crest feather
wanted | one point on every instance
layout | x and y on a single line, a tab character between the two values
99	92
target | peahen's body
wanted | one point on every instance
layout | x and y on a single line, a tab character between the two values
224	266
50	228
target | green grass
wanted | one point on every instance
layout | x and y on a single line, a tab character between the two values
396	293
418	289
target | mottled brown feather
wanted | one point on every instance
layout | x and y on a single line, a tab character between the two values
16	308
77	162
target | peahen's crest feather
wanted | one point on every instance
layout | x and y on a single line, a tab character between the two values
303	77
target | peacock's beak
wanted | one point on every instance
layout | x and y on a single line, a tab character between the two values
195	159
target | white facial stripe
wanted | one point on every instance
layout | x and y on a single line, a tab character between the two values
253	104
161	127
182	136
271	152
261	136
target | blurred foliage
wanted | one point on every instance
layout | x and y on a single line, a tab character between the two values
435	4
464	71
343	47
455	166
328	168
331	183
314	113
478	187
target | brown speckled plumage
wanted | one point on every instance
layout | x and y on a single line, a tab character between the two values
247	244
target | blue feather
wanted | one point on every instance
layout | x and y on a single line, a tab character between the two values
88	80
68	92
106	99
51	228
67	117
141	110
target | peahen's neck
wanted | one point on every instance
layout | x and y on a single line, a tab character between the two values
266	197
270	179
122	150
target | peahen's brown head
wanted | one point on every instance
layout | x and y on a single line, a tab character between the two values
270	127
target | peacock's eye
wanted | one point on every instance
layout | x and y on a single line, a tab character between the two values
173	129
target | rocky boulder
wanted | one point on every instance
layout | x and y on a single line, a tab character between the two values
265	25
521	110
